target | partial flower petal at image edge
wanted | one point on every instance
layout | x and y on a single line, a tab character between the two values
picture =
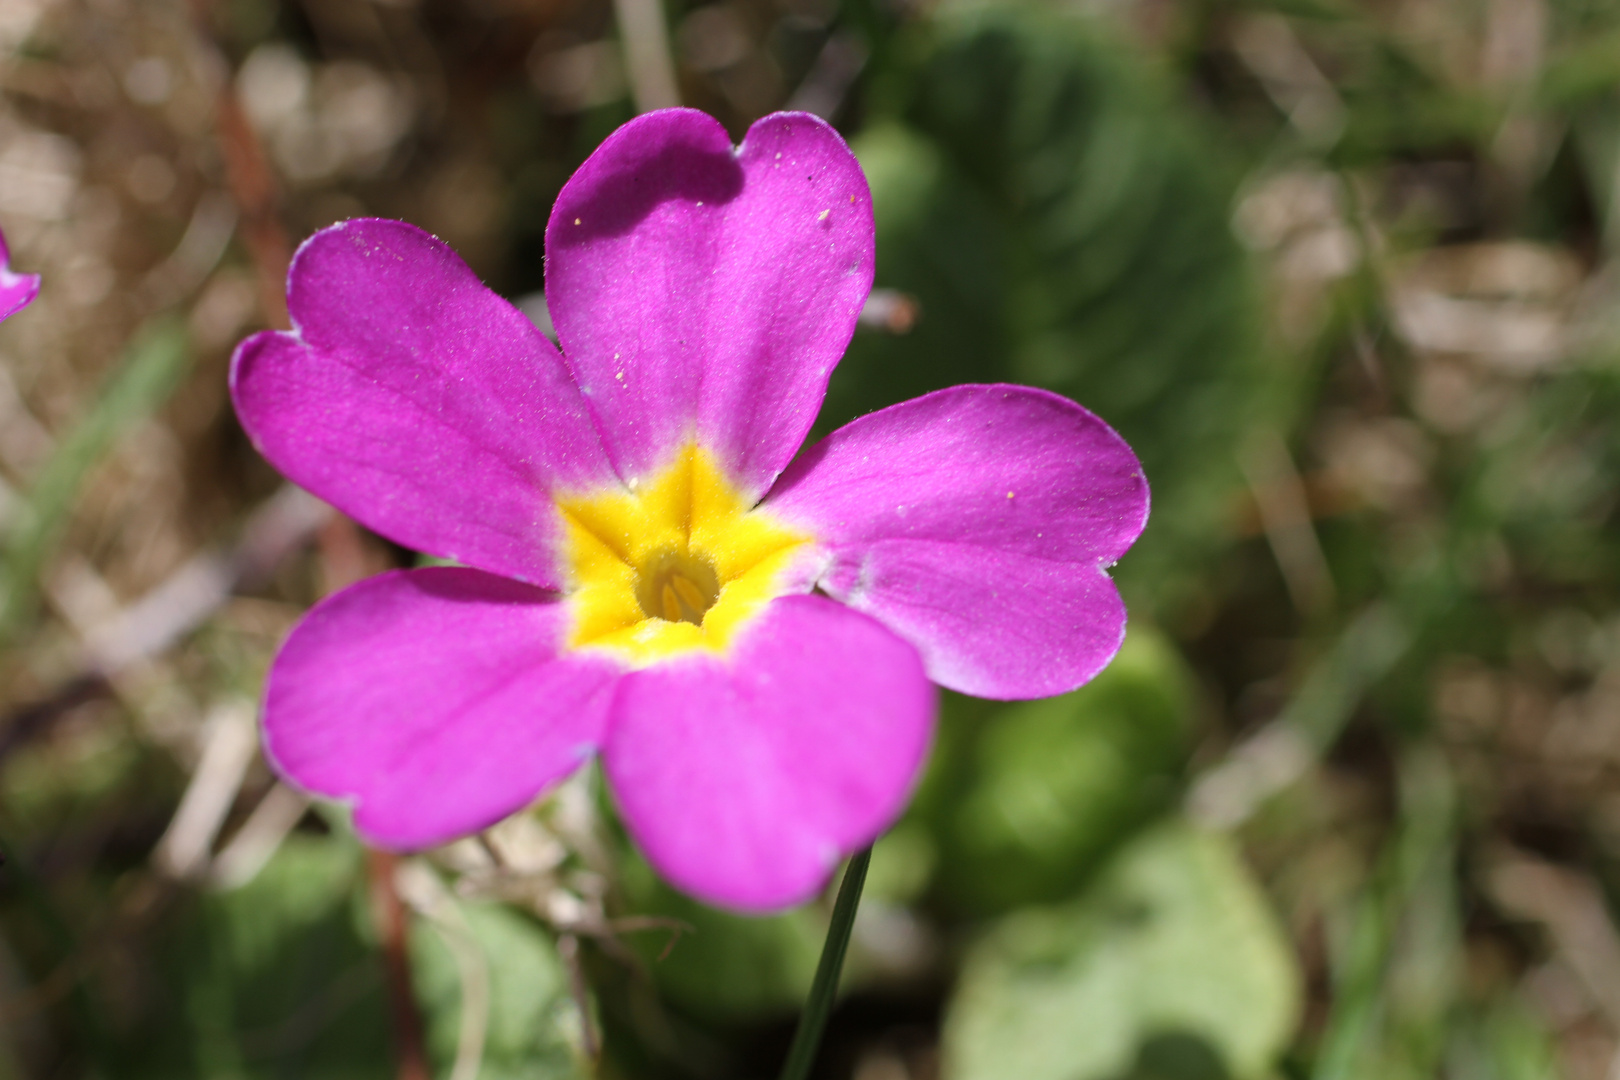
17	291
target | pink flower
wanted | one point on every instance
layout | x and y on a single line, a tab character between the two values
17	291
746	640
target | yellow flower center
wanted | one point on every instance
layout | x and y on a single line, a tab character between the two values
679	564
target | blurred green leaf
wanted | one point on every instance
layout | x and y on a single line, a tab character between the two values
1504	1041
1027	799
728	966
904	861
152	367
531	1024
275	978
1171	966
1588	68
1062	224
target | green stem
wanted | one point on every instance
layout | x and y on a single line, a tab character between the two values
807	1039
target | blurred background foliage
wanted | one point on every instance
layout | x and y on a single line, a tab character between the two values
1345	806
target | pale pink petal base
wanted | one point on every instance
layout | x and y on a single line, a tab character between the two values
419	402
434	700
978	523
746	779
705	292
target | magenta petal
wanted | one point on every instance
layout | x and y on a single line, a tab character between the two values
701	291
436	700
990	623
978	523
17	291
746	779
419	402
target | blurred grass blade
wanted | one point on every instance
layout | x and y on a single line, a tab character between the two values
153	364
1373	643
1284	751
1397	969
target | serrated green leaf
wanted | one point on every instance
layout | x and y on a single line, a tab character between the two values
1062	224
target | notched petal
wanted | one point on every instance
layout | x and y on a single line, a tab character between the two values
706	293
978	523
675	163
419	402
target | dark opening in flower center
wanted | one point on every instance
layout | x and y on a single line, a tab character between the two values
677	586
